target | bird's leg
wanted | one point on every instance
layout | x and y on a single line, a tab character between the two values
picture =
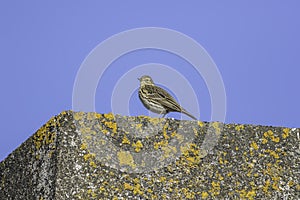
164	114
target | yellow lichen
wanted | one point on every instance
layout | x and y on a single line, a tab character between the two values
275	139
272	153
268	134
285	133
155	121
291	183
125	158
83	146
43	136
239	127
137	189
109	116
89	156
91	192
216	126
125	140
247	194
93	164
254	145
139	126
162	179
188	194
166	135
264	141
215	188
168	151
191	153
266	186
179	137
127	186
149	190
204	195
111	125
91	116
251	194
78	115
162	143
200	123
138	146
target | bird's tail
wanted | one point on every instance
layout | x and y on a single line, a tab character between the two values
188	114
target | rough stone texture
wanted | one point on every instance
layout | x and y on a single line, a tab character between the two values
93	156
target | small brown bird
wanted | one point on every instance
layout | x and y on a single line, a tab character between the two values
157	99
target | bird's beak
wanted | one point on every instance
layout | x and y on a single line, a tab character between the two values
139	79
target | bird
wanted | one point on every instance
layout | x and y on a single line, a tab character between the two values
158	100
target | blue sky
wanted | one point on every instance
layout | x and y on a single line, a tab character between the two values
254	44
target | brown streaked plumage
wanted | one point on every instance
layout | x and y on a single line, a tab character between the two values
158	100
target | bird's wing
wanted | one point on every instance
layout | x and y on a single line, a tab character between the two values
163	97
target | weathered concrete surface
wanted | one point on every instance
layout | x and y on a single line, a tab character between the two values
92	156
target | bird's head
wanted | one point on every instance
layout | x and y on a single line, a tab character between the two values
146	80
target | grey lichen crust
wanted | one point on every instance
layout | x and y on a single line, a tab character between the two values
80	155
